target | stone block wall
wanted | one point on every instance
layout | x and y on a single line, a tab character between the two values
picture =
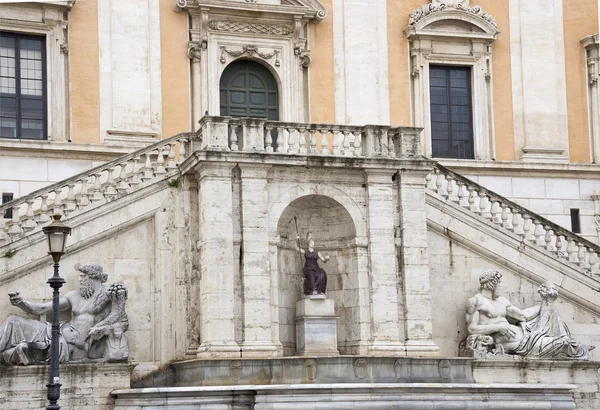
84	386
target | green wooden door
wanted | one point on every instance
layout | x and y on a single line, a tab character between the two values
248	89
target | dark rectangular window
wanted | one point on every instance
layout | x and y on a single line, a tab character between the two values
451	112
7	197
575	221
22	86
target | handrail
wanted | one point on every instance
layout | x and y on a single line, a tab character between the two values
507	214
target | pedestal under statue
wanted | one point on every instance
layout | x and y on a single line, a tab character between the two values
95	330
316	323
538	332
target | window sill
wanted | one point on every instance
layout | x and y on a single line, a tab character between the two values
62	149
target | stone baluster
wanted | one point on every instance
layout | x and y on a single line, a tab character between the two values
233	138
504	218
463	194
548	239
357	144
313	142
292	147
268	139
482	203
429	181
148	171
3	231
561	247
171	155
70	203
57	203
439	184
160	163
109	188
594	262
302	140
516	222
122	186
280	140
346	146
28	223
473	198
583	257
82	198
324	150
540	234
136	172
450	189
15	223
336	142
573	250
97	196
182	151
44	216
495	212
527	225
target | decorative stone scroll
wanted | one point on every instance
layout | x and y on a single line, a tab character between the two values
437	6
94	332
245	27
539	331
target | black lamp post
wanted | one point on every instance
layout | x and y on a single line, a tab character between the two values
57	239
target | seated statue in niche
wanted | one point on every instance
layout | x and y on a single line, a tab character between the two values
497	327
315	278
94	331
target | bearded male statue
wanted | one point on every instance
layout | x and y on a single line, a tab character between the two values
97	312
496	326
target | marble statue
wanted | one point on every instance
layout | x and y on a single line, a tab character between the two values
497	327
315	278
94	331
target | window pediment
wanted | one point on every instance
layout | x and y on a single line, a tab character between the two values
458	20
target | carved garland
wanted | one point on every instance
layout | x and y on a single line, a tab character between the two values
252	28
418	14
250	51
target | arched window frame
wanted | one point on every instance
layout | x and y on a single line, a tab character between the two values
453	36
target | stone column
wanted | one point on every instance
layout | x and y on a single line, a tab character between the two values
414	263
382	264
256	275
215	245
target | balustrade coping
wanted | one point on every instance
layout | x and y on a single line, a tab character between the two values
558	230
86	174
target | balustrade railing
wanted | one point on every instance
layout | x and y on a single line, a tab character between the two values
533	228
256	135
90	188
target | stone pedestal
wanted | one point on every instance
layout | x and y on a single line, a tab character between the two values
316	327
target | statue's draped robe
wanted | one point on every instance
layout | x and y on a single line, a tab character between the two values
27	341
547	336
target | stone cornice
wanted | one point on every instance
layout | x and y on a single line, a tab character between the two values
306	9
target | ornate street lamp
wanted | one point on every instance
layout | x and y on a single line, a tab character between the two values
57	233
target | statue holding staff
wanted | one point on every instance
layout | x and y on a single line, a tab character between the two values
315	278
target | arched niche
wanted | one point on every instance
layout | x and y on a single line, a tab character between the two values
334	232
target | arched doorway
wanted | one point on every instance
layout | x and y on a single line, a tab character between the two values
248	89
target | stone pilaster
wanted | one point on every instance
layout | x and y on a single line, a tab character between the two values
258	338
382	264
414	263
215	245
